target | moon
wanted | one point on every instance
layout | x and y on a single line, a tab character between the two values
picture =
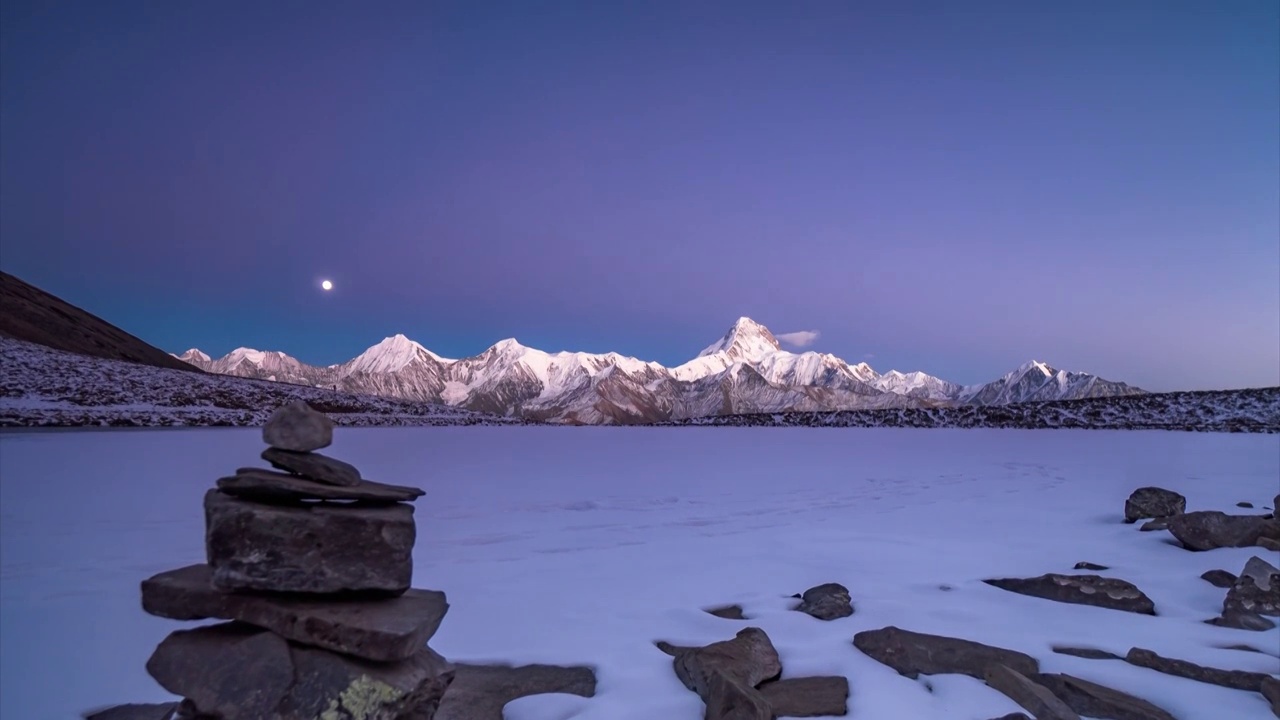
325	284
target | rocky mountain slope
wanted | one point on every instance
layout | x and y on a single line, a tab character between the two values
745	371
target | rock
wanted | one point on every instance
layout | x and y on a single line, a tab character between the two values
297	427
727	698
808	696
1087	653
1219	578
1153	502
913	654
1244	504
1099	701
826	602
384	630
1242	620
1257	590
1210	529
1157	524
1244	648
479	692
1267	543
161	711
237	672
1037	699
318	548
728	612
749	658
1092	590
321	468
1238	679
1015	716
1090	566
1271	691
267	486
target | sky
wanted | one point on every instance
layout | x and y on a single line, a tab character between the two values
948	187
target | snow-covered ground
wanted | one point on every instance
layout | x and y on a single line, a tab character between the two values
585	545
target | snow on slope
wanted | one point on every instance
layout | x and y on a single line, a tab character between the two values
612	540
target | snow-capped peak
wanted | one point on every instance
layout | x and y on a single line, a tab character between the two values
747	339
1036	365
242	354
194	354
390	355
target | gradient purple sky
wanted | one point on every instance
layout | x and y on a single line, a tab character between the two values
949	187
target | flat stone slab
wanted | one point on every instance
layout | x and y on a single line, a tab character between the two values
235	671
313	465
728	612
914	654
1210	529
318	548
1237	679
808	696
479	692
384	630
152	711
268	486
1093	700
1034	697
1087	653
297	427
1095	590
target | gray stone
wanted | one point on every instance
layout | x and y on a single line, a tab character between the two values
384	630
808	696
1210	529
1087	653
234	671
317	548
1153	502
727	698
1271	691
1219	578
749	658
1237	679
1242	620
1037	699
1244	504
479	692
1157	524
913	654
728	612
321	468
1099	701
1267	543
267	486
1257	590
826	602
1090	566
1015	716
1094	590
160	711
297	427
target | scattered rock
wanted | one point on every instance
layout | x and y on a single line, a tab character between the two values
1242	620
1210	529
1099	701
1153	502
808	696
1157	524
1238	679
1037	699
913	654
1087	653
318	548
267	486
1271	691
1257	590
1219	578
726	673
1244	504
1244	648
826	602
1267	543
479	692
1092	590
237	672
315	466
729	699
162	711
384	630
728	612
297	427
1090	566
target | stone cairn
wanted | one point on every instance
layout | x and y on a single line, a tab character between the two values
312	568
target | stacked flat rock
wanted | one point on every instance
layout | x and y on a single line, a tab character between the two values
312	568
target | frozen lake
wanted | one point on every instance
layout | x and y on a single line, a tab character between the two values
584	545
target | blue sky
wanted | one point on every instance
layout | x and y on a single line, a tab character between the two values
955	188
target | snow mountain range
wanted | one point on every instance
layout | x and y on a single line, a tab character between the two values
746	371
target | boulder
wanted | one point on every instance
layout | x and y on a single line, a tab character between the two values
297	427
728	612
826	602
1237	679
1092	590
1257	590
913	654
312	465
479	692
1090	566
315	548
1271	691
749	658
267	486
1087	653
160	711
235	671
808	696
1099	701
1219	578
1153	502
1210	529
384	630
1037	699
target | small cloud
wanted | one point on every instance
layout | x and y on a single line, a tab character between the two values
801	338
869	356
